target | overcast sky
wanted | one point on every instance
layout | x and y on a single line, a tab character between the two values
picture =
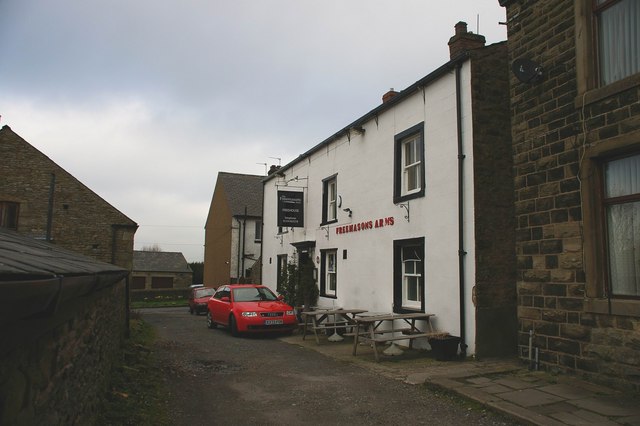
145	101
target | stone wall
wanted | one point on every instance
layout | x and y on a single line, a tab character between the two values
556	125
55	371
495	290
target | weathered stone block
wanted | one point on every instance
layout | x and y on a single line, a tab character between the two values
575	332
554	315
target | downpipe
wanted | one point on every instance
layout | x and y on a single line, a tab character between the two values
461	251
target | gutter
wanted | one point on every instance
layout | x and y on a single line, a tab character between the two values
414	88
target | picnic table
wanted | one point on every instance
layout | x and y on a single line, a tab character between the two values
370	329
328	319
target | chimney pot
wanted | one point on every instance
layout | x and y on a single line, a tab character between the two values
461	28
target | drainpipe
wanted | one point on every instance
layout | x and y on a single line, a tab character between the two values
461	251
244	236
238	255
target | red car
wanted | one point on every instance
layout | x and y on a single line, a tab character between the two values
198	298
249	308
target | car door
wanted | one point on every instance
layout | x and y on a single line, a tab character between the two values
221	305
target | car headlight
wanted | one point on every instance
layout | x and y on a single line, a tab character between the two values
291	313
249	314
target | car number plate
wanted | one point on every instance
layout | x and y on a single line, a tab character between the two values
272	322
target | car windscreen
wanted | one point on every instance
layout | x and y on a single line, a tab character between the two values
253	294
204	292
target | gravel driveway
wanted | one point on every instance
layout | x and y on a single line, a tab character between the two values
216	379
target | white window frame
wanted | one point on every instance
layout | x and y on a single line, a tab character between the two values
409	279
332	199
411	171
329	273
409	164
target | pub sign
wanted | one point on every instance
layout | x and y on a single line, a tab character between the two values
291	209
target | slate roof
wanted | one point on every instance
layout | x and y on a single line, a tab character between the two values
160	261
22	256
242	190
37	277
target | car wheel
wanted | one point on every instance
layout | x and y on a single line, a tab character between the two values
210	322
233	326
191	311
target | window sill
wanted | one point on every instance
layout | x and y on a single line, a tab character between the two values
329	222
329	296
404	310
598	94
407	197
623	307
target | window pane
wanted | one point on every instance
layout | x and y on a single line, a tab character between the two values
331	262
332	282
619	41
410	152
411	165
412	289
331	195
623	221
622	177
409	267
411	253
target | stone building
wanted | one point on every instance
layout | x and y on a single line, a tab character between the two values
233	232
410	207
575	114
41	200
159	270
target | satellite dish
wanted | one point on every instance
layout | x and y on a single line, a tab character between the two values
526	70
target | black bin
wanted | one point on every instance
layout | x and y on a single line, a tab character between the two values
445	348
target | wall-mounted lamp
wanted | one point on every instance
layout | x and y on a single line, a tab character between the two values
348	210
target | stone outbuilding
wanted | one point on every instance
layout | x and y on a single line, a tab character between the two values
39	199
159	271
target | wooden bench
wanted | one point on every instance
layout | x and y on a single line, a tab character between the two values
369	330
324	319
408	336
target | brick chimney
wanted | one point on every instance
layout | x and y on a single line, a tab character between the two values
273	169
387	96
464	41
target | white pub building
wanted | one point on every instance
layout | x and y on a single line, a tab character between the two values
410	207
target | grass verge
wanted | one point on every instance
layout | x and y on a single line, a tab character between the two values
138	392
159	303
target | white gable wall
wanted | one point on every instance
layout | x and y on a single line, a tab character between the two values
365	175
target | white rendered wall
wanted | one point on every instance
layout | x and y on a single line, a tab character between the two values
365	175
247	241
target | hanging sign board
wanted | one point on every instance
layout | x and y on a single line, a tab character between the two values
291	209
